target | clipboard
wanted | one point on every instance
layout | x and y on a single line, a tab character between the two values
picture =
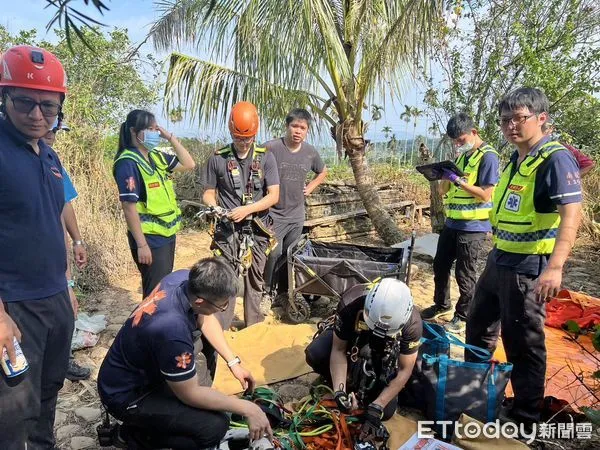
429	170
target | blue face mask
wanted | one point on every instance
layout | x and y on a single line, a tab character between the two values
151	139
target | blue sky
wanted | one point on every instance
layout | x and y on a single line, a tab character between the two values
137	16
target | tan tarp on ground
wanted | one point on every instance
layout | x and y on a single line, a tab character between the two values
271	352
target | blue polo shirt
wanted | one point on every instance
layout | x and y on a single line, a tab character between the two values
33	258
557	182
155	345
70	191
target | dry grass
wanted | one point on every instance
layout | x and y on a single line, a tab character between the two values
591	206
98	211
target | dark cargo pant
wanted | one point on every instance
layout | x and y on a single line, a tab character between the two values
317	355
464	247
505	300
163	259
228	242
276	276
27	410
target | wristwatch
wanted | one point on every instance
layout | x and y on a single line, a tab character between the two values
76	243
234	361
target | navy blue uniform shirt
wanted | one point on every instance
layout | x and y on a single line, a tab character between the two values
155	345
33	257
557	182
132	189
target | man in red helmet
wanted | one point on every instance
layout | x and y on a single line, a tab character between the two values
247	182
35	305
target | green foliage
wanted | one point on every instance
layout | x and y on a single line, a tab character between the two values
104	85
596	339
592	414
573	327
494	47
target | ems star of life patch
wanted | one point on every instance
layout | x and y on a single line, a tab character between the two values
513	202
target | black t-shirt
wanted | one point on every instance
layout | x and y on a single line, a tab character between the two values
218	177
349	321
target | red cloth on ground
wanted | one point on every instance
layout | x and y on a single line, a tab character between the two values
568	305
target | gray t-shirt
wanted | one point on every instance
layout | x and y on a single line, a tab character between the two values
293	169
218	177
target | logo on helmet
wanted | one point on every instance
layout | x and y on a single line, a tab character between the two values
5	72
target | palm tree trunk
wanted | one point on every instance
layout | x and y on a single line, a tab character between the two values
365	185
405	143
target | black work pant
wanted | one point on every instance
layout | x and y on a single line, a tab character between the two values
317	355
276	276
505	300
161	420
463	247
228	244
27	410
163	259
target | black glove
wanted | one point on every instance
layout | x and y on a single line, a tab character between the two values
372	424
343	401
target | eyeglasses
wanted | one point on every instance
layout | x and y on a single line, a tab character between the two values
243	141
515	120
25	105
219	308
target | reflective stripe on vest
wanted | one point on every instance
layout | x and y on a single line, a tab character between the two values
255	178
518	227
461	205
159	214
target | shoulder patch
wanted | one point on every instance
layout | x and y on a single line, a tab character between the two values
184	360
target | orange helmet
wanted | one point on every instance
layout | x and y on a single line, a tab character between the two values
30	67
243	120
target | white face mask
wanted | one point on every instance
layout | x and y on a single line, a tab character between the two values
465	148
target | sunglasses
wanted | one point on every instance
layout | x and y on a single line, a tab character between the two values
25	105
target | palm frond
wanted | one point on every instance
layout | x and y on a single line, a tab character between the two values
405	41
208	90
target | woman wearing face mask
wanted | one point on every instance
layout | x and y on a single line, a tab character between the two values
143	176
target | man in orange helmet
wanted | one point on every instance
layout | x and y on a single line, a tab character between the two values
247	182
36	298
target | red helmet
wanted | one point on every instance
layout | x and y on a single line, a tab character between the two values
243	120
30	67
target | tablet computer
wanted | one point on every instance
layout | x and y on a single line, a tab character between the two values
431	171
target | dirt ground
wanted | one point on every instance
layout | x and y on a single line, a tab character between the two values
78	410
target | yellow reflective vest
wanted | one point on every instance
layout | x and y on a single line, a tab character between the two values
518	227
461	205
159	214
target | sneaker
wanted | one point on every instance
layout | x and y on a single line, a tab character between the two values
75	372
434	311
265	304
456	325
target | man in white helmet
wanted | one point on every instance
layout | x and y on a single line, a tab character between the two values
369	352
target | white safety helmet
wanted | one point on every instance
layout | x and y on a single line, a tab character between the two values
388	307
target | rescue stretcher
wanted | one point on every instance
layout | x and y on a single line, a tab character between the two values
326	269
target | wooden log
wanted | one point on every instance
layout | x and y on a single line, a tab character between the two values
361	212
330	198
328	209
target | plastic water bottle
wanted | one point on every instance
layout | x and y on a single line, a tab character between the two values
14	373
